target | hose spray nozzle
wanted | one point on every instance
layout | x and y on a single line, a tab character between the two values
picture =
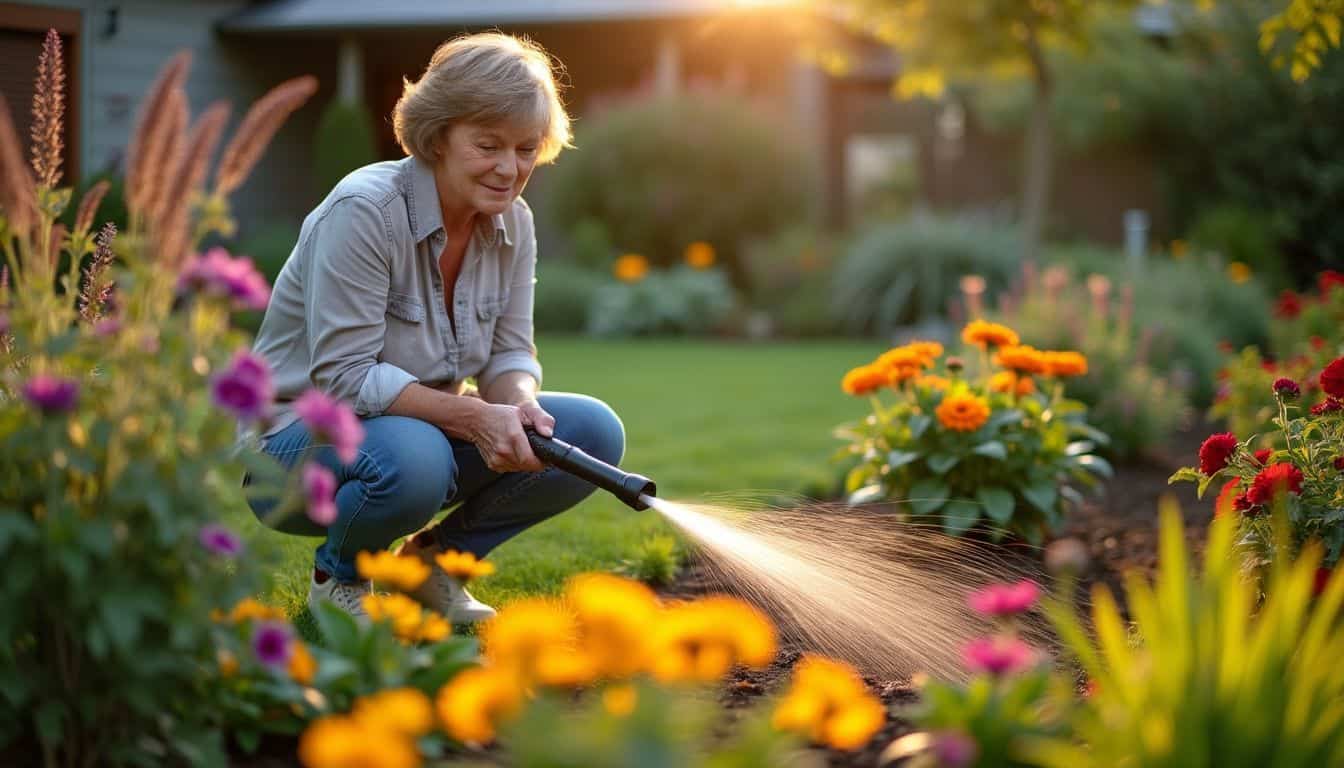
623	485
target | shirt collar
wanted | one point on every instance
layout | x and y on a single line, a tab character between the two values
426	218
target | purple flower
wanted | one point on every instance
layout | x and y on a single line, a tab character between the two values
219	540
244	388
273	642
319	489
1286	388
998	655
330	419
218	274
954	749
1005	599
52	394
107	326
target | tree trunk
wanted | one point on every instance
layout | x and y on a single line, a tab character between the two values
1037	158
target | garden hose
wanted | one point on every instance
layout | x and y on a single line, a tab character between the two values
623	485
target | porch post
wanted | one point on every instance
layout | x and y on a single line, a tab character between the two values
350	72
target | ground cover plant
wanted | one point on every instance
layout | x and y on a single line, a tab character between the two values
958	445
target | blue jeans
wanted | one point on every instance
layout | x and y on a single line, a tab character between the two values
408	470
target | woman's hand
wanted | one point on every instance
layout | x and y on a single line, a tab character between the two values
500	438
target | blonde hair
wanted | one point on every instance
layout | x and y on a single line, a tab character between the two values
482	78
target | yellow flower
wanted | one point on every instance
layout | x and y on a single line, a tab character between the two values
463	566
404	711
400	573
347	742
614	616
564	668
631	268
302	665
930	381
248	609
474	703
701	640
962	412
1003	381
433	628
700	255
1065	363
525	630
409	621
982	334
228	663
864	379
620	700
828	703
1021	358
1238	272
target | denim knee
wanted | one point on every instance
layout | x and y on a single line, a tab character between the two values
414	471
598	431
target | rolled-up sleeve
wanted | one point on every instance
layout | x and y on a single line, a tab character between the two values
345	306
512	347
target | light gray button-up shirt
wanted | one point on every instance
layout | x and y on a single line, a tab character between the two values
358	309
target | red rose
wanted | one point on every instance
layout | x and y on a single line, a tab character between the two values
1215	452
1262	456
1289	305
1272	480
1332	378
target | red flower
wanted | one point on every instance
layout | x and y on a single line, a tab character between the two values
1289	305
1332	378
1262	456
1226	498
1318	583
1329	405
1339	463
1215	452
1243	505
1317	343
1328	280
1286	388
1273	480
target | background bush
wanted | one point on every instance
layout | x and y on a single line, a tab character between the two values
658	174
565	295
674	301
343	142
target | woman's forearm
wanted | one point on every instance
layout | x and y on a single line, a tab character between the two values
456	415
511	388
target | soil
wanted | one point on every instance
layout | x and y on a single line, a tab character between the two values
1119	528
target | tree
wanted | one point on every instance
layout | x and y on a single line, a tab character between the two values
1316	26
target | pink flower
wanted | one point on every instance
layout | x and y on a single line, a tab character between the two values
332	420
954	749
218	274
244	388
998	655
319	489
219	540
1005	599
273	643
51	394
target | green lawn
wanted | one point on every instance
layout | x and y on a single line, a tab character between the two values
701	417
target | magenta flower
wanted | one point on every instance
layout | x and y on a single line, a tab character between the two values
333	420
954	749
1286	388
244	388
107	326
273	642
219	540
1005	599
998	655
319	490
52	394
216	273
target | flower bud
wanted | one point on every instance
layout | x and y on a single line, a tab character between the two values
955	364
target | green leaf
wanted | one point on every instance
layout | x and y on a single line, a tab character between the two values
998	503
1204	482
1090	432
900	458
1185	474
339	629
918	424
1096	465
1003	418
940	463
1041	496
993	449
927	496
960	515
857	478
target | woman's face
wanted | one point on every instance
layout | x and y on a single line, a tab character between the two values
484	167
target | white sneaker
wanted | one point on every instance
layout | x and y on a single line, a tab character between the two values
442	592
347	597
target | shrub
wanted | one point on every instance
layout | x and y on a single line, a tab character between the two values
343	142
791	281
656	561
565	296
1237	234
957	450
658	173
903	273
683	300
119	439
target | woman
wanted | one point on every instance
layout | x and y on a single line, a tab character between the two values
410	277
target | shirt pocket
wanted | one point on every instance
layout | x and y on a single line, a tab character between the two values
405	307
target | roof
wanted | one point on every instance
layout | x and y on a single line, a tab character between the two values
350	15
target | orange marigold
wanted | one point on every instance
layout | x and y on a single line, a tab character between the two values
900	374
1003	381
929	350
1025	386
900	357
982	334
930	381
963	412
1022	358
864	379
1065	363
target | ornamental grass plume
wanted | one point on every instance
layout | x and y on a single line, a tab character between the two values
256	130
48	113
147	150
177	115
88	207
463	566
186	180
18	191
96	288
398	572
828	703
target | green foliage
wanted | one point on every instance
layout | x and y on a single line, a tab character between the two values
591	246
343	142
791	280
681	300
656	561
896	274
565	295
1013	473
653	174
269	247
1245	236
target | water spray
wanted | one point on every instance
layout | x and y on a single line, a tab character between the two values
634	490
